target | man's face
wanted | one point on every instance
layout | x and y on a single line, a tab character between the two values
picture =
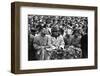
56	33
43	31
33	33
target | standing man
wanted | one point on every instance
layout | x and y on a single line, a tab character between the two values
40	43
56	43
31	50
84	44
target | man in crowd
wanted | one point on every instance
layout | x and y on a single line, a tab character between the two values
56	43
40	43
84	44
31	49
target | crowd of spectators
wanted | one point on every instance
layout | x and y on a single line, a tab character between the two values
71	28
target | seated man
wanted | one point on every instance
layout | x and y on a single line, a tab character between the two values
40	43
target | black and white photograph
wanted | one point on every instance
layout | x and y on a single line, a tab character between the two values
54	37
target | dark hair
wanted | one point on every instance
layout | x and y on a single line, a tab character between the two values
61	31
55	29
40	27
33	30
75	31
